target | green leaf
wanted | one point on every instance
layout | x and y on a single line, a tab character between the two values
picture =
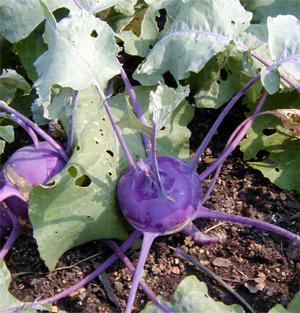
10	81
130	120
29	49
262	9
284	38
61	103
270	80
7	300
7	133
80	205
191	295
141	33
81	52
293	306
14	28
220	79
268	134
164	101
199	31
126	7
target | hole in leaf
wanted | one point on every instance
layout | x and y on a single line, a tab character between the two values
72	171
150	46
232	22
96	142
88	217
262	155
223	74
161	19
109	173
218	82
163	128
269	132
83	181
110	153
94	34
77	148
277	169
51	184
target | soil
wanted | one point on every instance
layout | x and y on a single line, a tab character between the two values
262	267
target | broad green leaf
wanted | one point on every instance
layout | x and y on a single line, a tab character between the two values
81	52
220	79
262	9
29	49
6	299
191	295
20	17
7	133
81	204
199	31
269	134
293	306
284	39
270	80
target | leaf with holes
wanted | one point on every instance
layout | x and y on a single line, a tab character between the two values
199	31
80	204
76	44
281	147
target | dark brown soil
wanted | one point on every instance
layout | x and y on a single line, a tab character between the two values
263	268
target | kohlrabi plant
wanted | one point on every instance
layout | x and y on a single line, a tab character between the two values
27	167
129	173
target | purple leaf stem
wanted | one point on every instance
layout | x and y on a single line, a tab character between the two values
37	129
15	233
238	135
136	105
72	124
131	268
29	130
78	4
183	255
126	245
147	242
204	212
200	150
231	144
160	187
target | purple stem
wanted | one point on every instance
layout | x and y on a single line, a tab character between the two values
29	131
37	129
126	245
147	242
204	212
72	125
160	187
78	4
131	268
245	125
183	255
136	105
200	150
238	135
15	233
